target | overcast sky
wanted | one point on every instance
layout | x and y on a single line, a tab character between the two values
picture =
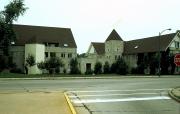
93	20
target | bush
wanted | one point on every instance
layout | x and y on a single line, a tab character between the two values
74	67
16	70
106	68
64	71
121	66
113	68
57	70
52	65
30	60
98	68
89	72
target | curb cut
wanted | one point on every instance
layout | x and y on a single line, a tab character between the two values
173	96
70	104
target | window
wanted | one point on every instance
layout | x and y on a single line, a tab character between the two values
52	54
69	55
46	54
177	44
56	44
63	55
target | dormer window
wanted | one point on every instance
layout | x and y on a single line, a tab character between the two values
136	47
65	45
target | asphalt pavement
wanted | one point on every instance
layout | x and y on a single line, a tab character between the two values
107	96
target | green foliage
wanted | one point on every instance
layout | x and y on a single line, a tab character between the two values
74	66
98	68
11	12
52	64
30	60
121	66
6	62
153	63
41	65
113	68
89	72
106	68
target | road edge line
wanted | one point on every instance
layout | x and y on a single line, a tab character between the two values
70	104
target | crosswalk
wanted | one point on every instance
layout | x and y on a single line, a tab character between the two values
126	101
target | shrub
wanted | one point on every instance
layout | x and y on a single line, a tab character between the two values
89	72
121	66
16	70
106	68
30	60
52	64
98	68
113	68
74	67
57	70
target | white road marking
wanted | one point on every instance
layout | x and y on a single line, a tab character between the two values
72	96
120	90
119	100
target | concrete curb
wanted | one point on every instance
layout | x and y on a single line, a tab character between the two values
173	96
70	104
95	77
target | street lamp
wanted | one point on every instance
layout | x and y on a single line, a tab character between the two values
159	64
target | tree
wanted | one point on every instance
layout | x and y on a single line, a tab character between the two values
52	64
11	13
98	68
74	66
106	68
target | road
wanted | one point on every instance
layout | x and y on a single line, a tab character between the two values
107	96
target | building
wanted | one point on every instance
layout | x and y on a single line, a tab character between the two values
132	51
42	43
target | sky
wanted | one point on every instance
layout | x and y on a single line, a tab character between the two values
93	20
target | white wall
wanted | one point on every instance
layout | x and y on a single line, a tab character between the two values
36	50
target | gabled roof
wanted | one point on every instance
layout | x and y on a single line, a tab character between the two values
150	44
99	47
39	34
114	36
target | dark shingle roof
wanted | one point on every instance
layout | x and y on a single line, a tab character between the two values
39	34
148	44
114	36
99	47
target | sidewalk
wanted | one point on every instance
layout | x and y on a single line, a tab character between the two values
175	93
33	103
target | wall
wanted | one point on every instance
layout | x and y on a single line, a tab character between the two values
17	52
66	51
36	50
113	48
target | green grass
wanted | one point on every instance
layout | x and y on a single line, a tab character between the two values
16	75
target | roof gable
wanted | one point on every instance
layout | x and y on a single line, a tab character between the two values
150	44
99	47
114	36
39	34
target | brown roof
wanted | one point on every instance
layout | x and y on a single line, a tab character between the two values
114	36
148	44
99	47
39	34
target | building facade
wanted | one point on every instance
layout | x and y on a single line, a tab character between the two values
42	43
130	51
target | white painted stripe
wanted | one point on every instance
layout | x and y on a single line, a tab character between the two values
121	90
119	100
72	96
